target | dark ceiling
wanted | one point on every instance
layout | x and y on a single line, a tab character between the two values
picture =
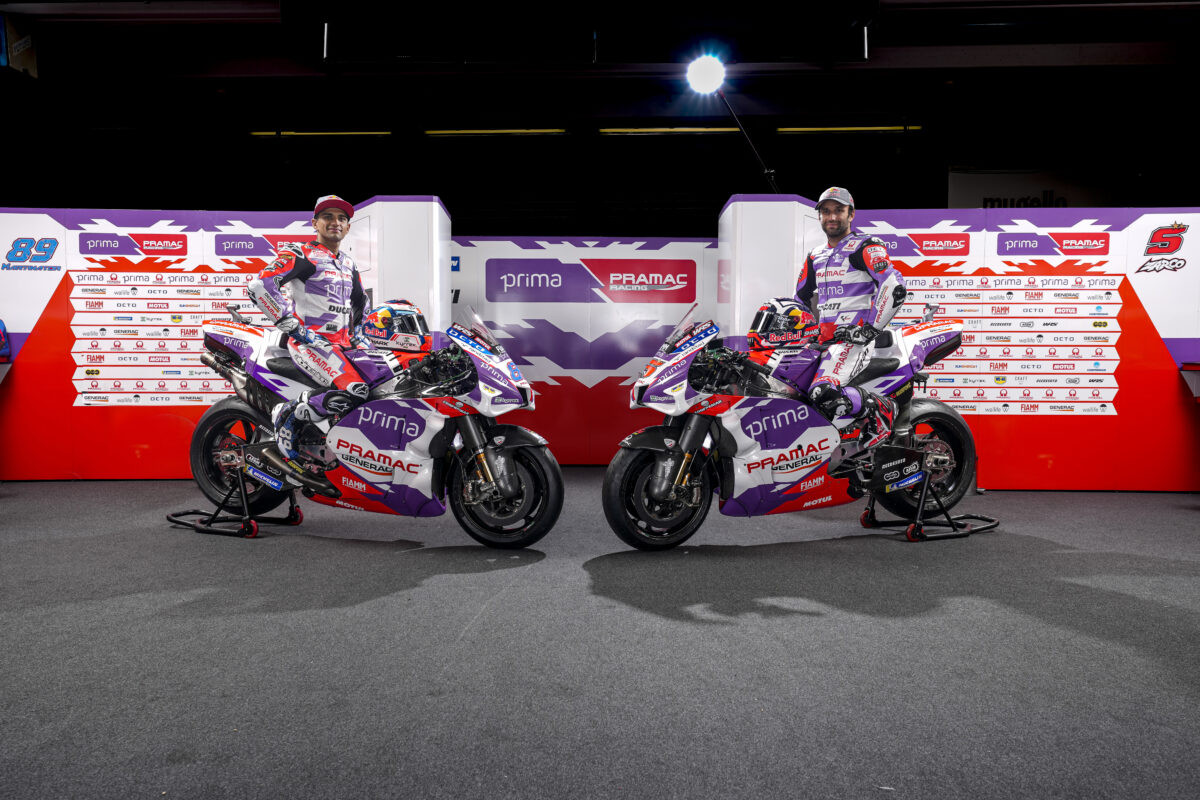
157	105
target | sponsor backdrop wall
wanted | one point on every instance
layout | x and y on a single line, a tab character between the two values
1076	324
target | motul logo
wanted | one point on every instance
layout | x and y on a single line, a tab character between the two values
161	244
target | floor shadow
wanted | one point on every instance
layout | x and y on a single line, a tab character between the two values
287	573
887	577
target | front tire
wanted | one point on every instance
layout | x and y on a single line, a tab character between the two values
223	428
941	433
638	519
511	524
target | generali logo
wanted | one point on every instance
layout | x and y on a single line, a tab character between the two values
942	244
161	244
1081	244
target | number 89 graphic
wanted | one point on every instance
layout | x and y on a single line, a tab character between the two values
41	251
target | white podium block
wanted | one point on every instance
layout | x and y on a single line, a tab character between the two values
402	246
762	242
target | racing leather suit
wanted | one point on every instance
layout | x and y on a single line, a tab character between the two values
316	297
856	287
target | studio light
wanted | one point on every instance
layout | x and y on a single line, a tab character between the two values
706	74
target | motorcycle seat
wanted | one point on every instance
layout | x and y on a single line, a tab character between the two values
286	368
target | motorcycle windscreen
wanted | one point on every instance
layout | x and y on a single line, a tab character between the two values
782	449
383	447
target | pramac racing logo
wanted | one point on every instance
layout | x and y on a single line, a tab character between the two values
627	280
942	244
1165	241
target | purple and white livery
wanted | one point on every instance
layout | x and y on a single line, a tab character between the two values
426	435
743	428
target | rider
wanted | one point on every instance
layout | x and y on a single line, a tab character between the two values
312	292
858	291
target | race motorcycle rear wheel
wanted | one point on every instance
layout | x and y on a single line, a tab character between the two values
224	427
943	435
638	519
521	521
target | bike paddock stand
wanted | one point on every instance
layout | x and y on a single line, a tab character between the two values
247	524
959	525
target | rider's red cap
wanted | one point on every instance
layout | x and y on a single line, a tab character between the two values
332	201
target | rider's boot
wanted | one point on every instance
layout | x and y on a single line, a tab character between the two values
288	419
873	420
877	419
319	409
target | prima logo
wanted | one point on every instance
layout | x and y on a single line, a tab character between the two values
530	280
391	422
790	416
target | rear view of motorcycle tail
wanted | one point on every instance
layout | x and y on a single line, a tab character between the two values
425	438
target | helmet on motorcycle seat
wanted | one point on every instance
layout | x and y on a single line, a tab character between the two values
398	325
782	322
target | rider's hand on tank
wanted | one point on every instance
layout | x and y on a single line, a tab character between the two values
295	329
857	334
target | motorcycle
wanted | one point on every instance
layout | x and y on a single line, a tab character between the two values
739	425
426	435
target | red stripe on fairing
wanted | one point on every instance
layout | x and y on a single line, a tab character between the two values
448	406
836	488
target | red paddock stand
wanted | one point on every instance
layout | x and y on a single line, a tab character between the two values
247	524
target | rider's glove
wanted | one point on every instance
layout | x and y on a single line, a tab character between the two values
359	339
857	334
295	329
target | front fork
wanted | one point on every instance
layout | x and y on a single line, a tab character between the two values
672	469
492	468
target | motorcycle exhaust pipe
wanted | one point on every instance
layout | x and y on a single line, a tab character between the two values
236	377
317	484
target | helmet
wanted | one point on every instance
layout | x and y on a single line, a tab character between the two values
782	322
397	325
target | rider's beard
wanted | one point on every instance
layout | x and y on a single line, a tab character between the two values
835	229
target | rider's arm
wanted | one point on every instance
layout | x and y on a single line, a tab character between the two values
267	289
358	311
873	259
806	283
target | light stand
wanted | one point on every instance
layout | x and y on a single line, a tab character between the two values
705	75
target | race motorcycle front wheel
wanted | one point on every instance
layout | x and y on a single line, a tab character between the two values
638	519
223	428
516	522
942	435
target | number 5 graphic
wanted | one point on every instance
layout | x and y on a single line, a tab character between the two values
1166	240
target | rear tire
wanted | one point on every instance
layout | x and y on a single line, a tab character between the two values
511	524
223	427
638	519
941	432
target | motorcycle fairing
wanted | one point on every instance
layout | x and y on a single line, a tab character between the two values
929	342
779	444
501	387
244	341
386	443
664	386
